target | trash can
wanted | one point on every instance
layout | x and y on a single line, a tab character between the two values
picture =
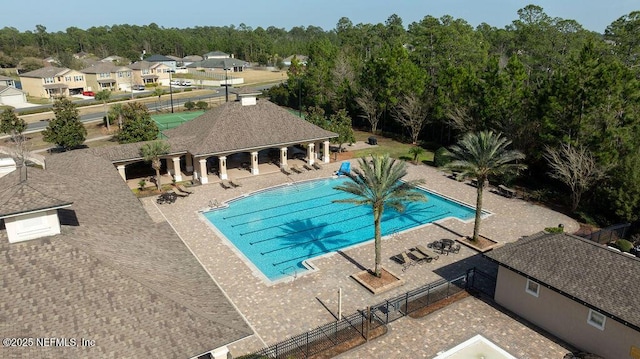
373	140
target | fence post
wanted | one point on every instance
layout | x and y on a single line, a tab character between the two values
406	303
368	320
307	346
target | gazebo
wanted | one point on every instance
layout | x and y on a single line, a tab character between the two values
243	133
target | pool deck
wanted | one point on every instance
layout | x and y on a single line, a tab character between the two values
278	311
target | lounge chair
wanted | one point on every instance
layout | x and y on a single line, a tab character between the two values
285	171
296	169
426	252
182	189
178	194
235	183
419	257
317	166
345	168
225	184
455	249
506	191
404	260
307	167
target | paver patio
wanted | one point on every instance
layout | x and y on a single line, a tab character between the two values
299	304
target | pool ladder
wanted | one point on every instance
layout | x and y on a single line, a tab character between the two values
295	272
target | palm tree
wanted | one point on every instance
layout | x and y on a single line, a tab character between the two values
151	152
377	184
416	151
158	91
480	155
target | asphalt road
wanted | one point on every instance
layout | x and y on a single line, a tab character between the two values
152	106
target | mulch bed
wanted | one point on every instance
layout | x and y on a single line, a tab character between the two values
419	313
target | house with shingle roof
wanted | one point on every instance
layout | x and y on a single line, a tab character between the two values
216	55
53	81
229	64
11	96
145	72
107	76
576	289
170	62
258	131
7	81
128	286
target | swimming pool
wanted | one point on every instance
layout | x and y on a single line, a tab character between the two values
279	228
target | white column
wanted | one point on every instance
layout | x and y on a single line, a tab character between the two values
177	173
170	170
203	171
222	163
254	163
316	151
325	152
122	172
189	162
283	157
310	153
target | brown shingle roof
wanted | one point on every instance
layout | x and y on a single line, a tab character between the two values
232	127
45	72
112	275
580	269
20	197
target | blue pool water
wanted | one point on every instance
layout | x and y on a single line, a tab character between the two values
279	228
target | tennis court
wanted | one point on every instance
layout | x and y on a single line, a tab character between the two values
171	120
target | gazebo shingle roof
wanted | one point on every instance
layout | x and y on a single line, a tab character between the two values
233	127
112	275
580	269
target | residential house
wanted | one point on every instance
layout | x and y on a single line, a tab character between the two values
106	76
145	72
83	262
302	59
7	81
576	289
188	60
116	59
53	82
216	55
229	64
170	62
11	96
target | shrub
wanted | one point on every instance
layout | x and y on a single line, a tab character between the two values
624	245
141	184
440	157
189	105
202	105
554	229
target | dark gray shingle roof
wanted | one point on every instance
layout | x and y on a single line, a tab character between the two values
112	275
232	127
158	58
580	269
45	72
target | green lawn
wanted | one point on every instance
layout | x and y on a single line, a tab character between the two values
392	147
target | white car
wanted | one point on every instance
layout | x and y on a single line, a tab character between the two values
175	82
185	83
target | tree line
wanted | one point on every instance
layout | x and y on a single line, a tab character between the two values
566	97
553	88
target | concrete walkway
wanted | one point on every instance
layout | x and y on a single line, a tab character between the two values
305	302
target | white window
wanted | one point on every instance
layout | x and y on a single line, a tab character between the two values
532	288
67	78
596	319
49	80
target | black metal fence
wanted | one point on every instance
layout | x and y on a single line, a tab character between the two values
609	234
361	323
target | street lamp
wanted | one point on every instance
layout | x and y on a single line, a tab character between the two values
226	83
171	90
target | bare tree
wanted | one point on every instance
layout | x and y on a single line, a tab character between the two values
411	113
368	104
14	126
576	167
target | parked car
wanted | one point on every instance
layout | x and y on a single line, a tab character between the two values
175	82
88	93
185	83
139	87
